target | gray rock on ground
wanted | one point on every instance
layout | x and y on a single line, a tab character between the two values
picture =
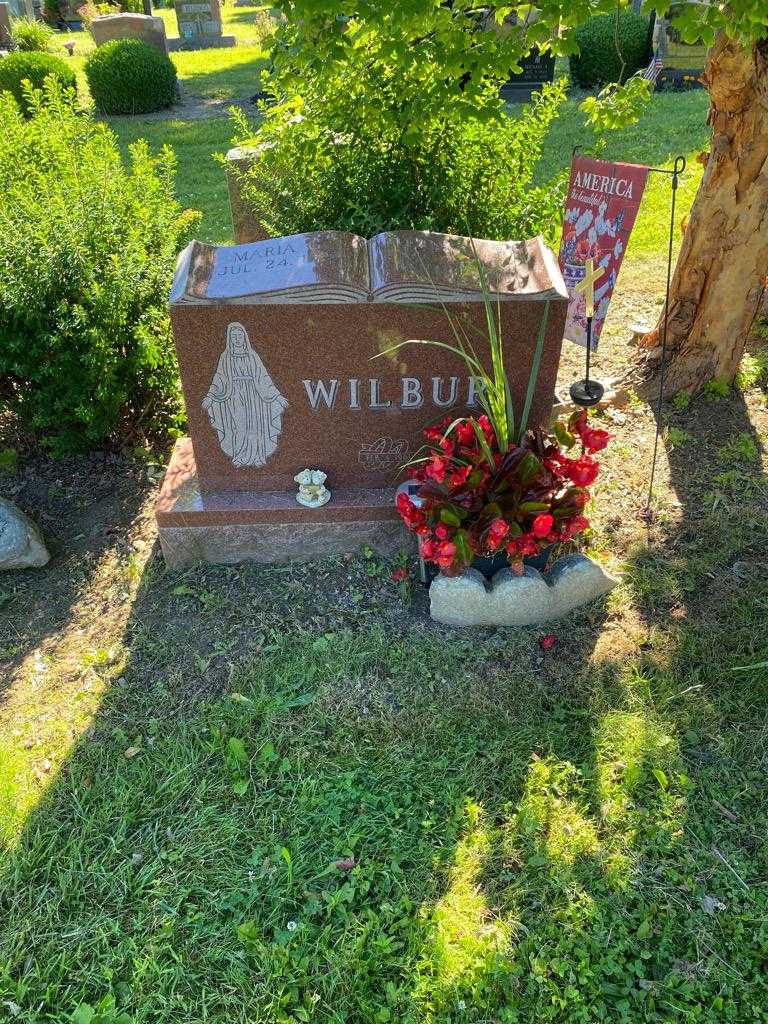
21	546
510	600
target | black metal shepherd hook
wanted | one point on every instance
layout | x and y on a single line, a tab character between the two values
677	170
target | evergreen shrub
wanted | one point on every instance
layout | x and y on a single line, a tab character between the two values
612	47
34	67
474	176
88	246
128	76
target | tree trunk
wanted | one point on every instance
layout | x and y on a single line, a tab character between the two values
719	281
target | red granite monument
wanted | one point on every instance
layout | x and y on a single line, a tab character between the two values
291	355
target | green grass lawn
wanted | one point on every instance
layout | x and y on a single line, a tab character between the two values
201	180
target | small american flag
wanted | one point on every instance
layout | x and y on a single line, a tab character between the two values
653	70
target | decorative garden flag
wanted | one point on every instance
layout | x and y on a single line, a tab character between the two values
600	211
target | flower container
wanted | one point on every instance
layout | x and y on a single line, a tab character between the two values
490	566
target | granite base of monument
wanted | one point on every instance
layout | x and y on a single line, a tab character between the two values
201	43
227	527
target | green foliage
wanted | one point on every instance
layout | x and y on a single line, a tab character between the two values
716	389
128	76
753	369
27	35
105	1012
428	47
681	401
91	10
739	448
9	460
676	437
617	106
87	251
336	168
52	11
611	48
18	68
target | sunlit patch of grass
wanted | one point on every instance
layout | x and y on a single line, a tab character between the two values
632	748
552	820
55	692
467	938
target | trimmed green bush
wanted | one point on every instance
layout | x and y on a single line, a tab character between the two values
605	42
473	177
128	76
88	247
18	67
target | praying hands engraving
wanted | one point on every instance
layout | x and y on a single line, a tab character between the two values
243	404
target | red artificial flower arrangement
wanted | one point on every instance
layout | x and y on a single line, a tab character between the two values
475	499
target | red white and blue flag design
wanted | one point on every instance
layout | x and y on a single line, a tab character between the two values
600	211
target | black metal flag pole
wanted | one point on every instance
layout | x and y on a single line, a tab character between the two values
588	392
677	170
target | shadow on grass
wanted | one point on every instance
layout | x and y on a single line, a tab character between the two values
87	510
299	801
706	545
233	80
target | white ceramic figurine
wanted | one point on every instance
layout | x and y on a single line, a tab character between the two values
312	490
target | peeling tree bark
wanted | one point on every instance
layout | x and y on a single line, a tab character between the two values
719	281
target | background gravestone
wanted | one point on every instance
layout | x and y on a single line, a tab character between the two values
200	25
245	225
537	69
5	25
130	26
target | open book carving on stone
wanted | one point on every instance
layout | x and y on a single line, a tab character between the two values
326	267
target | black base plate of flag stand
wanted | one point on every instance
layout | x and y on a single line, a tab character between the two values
586	392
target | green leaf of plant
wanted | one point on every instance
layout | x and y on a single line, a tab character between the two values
84	1014
563	435
660	777
527	507
237	750
529	468
534	374
449	516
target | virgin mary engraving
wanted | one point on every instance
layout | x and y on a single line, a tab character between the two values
243	404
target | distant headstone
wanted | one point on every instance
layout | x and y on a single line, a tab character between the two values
21	546
246	227
537	69
286	355
200	25
130	26
5	25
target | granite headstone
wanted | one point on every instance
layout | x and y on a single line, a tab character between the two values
200	25
536	69
289	360
130	26
5	25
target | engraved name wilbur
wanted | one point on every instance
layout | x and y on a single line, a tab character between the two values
411	393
